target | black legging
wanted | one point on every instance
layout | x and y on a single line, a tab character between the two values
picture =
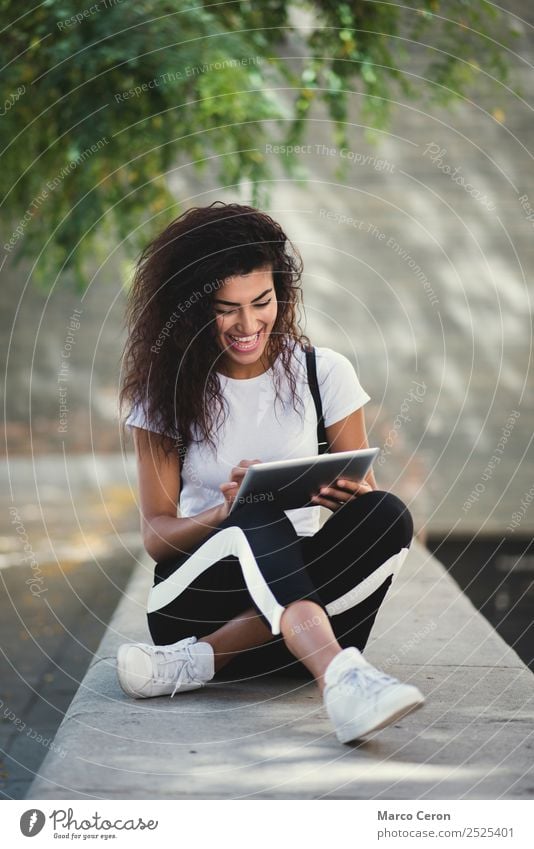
255	558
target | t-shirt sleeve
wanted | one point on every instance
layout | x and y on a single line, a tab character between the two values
137	418
341	390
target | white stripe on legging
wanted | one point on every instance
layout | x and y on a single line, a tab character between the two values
373	581
228	541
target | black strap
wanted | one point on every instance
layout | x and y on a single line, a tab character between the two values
311	364
182	451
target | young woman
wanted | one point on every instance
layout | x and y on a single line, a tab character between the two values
215	373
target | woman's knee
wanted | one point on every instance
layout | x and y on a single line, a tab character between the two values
393	516
386	515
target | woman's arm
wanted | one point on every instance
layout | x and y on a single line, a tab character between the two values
350	434
164	534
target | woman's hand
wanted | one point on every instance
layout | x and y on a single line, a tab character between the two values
343	490
231	487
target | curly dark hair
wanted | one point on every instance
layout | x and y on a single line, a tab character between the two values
171	349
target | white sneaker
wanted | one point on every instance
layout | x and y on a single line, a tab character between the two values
145	671
360	698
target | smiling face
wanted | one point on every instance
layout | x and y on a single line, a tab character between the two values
245	313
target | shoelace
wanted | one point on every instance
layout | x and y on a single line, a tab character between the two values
168	656
368	679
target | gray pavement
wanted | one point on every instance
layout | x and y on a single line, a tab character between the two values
270	737
69	535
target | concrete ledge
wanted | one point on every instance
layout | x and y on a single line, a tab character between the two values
271	738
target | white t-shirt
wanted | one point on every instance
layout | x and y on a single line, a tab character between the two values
257	428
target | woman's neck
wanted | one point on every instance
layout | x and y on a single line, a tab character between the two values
236	371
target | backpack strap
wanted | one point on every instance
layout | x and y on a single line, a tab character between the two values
182	451
311	364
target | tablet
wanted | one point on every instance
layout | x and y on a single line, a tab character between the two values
293	482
